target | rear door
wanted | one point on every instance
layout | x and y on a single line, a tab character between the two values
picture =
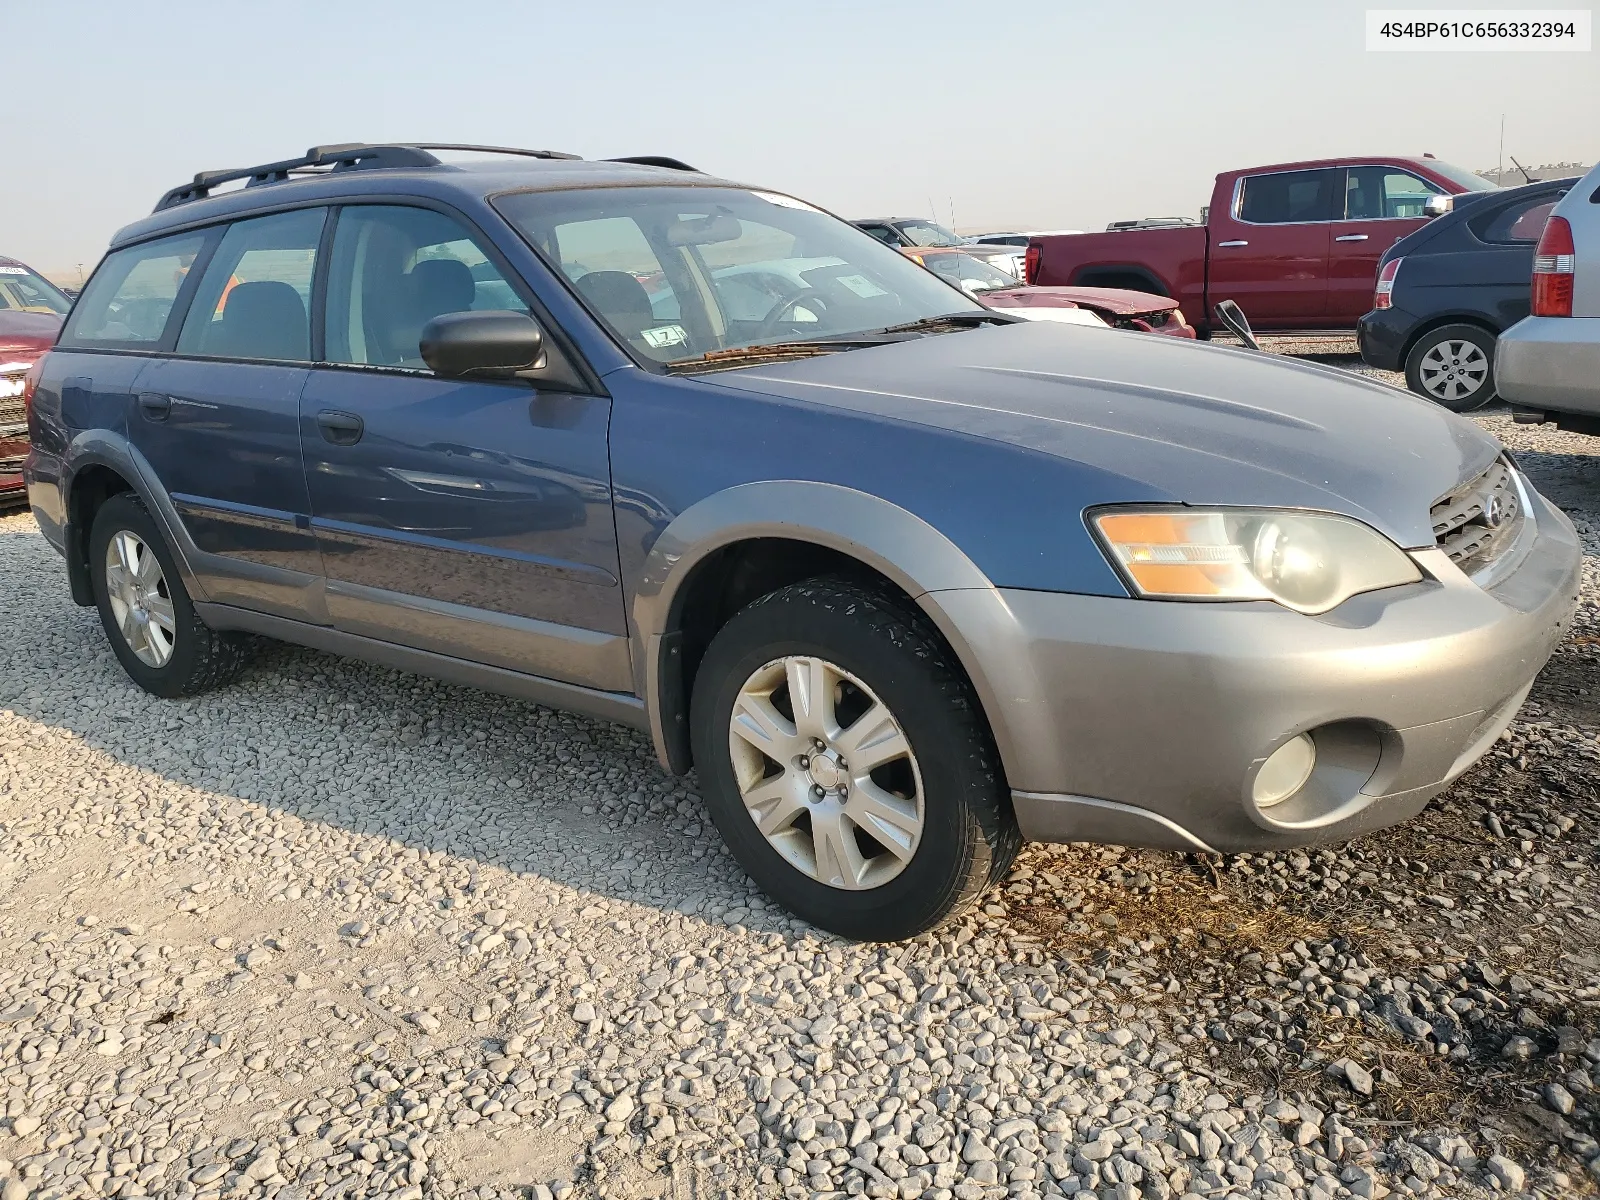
218	417
471	519
1270	254
1377	206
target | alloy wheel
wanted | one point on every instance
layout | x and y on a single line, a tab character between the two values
1454	370
826	773
140	600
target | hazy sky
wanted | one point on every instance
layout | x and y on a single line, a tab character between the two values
1029	113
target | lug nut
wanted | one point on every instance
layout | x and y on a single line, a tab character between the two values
804	762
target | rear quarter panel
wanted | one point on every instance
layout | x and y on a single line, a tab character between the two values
1581	208
1175	257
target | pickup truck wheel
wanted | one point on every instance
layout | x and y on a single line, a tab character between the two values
146	611
1453	366
847	764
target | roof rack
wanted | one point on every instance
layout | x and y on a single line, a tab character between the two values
349	156
656	160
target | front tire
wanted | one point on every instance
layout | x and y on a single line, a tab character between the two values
847	764
146	611
1453	366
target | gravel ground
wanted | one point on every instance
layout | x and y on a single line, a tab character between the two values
339	931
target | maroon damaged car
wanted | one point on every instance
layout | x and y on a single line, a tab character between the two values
31	310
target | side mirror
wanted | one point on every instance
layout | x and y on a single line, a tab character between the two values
482	345
1232	316
1437	205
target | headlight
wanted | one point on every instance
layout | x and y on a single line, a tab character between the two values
1309	562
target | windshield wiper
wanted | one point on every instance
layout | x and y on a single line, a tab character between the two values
967	319
736	355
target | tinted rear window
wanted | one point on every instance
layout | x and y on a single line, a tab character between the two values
1289	197
129	301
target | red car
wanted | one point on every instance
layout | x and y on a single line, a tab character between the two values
1296	245
1118	307
31	310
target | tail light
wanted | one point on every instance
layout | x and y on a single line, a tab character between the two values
1030	264
1382	295
1553	267
30	383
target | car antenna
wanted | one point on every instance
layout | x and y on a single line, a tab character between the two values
1521	168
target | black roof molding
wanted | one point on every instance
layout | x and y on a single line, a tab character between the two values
347	156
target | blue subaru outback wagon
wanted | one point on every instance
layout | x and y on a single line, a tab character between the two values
904	580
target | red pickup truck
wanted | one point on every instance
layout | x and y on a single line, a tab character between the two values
1295	245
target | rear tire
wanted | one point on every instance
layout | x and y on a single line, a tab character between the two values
926	779
1453	366
146	611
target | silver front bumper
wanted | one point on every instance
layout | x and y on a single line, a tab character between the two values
1142	723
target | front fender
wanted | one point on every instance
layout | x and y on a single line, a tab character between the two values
896	543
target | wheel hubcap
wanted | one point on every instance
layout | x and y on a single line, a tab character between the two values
826	773
140	599
1454	370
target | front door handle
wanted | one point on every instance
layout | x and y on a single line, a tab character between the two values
155	406
1351	237
1238	242
340	428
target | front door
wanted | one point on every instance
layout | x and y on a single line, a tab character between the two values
219	422
470	519
1380	206
1270	255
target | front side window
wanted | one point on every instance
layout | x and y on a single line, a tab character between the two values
254	300
395	268
884	234
1383	193
1289	197
130	298
680	272
26	291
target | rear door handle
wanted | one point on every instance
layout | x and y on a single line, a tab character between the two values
155	406
340	428
1351	237
1225	245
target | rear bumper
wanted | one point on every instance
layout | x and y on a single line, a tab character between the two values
1143	723
1381	338
1551	364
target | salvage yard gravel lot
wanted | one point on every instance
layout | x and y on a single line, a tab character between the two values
340	931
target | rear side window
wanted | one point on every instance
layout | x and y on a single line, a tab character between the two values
129	301
1516	223
1289	197
254	300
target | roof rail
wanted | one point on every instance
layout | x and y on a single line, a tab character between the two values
657	160
348	156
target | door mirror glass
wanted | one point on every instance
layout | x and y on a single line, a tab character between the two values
1437	206
482	345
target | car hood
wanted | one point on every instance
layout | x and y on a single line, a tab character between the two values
1119	301
1177	421
26	335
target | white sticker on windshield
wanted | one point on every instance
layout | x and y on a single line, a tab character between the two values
664	335
786	201
862	286
13	270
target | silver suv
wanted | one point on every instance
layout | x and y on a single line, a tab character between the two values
1548	365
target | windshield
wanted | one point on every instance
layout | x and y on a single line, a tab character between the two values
969	273
21	289
681	272
927	233
1461	177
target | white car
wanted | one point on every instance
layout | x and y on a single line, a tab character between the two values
1547	365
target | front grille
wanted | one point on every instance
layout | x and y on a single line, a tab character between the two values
1480	519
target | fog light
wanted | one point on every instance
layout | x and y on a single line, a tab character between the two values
1285	770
